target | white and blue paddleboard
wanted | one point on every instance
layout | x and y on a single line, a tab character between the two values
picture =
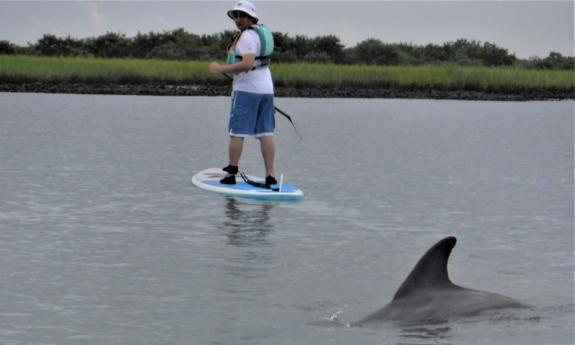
209	180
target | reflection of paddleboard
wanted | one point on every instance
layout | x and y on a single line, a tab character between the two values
209	179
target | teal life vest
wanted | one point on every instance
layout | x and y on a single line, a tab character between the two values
266	50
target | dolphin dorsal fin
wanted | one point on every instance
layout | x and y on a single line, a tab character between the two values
430	271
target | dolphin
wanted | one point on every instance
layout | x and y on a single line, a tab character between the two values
429	296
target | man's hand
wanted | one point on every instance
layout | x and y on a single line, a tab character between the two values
215	68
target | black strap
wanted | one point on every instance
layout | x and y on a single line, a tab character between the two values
239	57
265	61
257	184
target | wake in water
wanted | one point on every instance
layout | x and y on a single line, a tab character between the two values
333	320
436	328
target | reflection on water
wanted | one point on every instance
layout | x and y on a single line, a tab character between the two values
247	224
247	227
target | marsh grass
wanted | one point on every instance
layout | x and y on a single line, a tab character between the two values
75	69
447	77
131	71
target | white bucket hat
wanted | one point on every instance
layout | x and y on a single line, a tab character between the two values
244	6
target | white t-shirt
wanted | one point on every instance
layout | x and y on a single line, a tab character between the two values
258	80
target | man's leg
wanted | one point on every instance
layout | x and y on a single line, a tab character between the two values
268	153
235	150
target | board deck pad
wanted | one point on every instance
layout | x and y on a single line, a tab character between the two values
209	179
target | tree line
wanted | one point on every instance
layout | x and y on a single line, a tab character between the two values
181	45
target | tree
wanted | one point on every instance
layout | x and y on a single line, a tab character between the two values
143	44
434	53
7	48
301	46
182	45
110	45
186	46
374	51
329	45
47	45
557	61
318	57
492	55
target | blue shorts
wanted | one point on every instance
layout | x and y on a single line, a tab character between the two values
252	114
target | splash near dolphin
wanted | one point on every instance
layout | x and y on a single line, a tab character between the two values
427	295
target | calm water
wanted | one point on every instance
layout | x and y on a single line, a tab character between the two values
104	240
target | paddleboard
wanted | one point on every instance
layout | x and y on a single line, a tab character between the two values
209	180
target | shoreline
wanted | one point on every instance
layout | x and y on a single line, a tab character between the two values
154	89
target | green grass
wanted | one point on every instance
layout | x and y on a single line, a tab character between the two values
449	77
443	77
33	68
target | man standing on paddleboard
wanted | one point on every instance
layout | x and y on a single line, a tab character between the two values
252	111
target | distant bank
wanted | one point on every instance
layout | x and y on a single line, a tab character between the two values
190	78
323	92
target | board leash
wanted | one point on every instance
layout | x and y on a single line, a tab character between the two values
278	110
257	184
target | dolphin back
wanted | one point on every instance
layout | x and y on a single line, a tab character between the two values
430	271
428	295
